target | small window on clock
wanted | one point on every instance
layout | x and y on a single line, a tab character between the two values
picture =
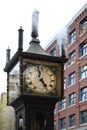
53	52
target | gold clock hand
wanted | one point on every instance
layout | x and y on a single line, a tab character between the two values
40	69
45	85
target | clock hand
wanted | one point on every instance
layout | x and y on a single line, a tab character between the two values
39	72
40	76
45	85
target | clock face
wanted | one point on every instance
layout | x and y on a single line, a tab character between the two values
40	79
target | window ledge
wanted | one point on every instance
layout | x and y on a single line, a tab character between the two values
83	101
82	79
71	65
83	124
63	129
71	106
71	85
61	110
72	127
70	44
82	56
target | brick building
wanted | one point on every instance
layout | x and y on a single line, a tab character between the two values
71	111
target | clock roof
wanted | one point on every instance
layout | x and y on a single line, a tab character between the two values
35	51
34	56
36	48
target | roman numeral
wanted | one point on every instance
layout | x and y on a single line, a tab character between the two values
51	86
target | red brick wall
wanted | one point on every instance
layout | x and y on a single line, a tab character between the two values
79	106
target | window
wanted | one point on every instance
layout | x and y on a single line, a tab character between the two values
83	117
55	110
64	66
72	120
72	99
72	56
72	37
83	26
54	125
71	79
64	83
62	104
83	94
62	123
53	52
20	124
83	72
83	48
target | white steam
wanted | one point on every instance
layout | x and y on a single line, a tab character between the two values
62	40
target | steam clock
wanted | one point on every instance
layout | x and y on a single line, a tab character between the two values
34	83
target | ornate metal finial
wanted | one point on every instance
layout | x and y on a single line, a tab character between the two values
34	32
20	39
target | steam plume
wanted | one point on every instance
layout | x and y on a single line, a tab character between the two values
61	40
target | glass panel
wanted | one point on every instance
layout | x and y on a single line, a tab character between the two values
14	83
72	99
62	104
72	37
83	117
62	123
83	94
83	48
54	125
72	120
83	26
72	58
83	72
64	83
72	78
53	52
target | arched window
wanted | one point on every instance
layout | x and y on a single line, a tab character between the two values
20	123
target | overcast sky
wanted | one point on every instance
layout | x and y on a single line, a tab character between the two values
53	16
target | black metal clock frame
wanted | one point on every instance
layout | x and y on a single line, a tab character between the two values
36	111
33	112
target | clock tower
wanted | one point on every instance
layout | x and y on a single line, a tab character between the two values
34	83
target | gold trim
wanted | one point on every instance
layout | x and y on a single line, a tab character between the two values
40	62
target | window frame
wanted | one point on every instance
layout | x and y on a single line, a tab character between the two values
64	84
83	117
72	56
53	51
62	104
62	123
72	99
83	72
72	36
83	26
71	78
72	120
83	48
83	94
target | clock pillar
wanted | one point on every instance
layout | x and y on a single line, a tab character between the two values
34	84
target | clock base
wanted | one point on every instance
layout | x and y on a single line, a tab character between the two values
35	112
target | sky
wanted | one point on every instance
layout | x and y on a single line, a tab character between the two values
54	15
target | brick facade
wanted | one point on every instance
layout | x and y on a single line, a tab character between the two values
78	25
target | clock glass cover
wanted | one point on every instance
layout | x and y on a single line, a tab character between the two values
39	79
13	83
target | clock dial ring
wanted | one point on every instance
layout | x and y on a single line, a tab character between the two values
40	79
